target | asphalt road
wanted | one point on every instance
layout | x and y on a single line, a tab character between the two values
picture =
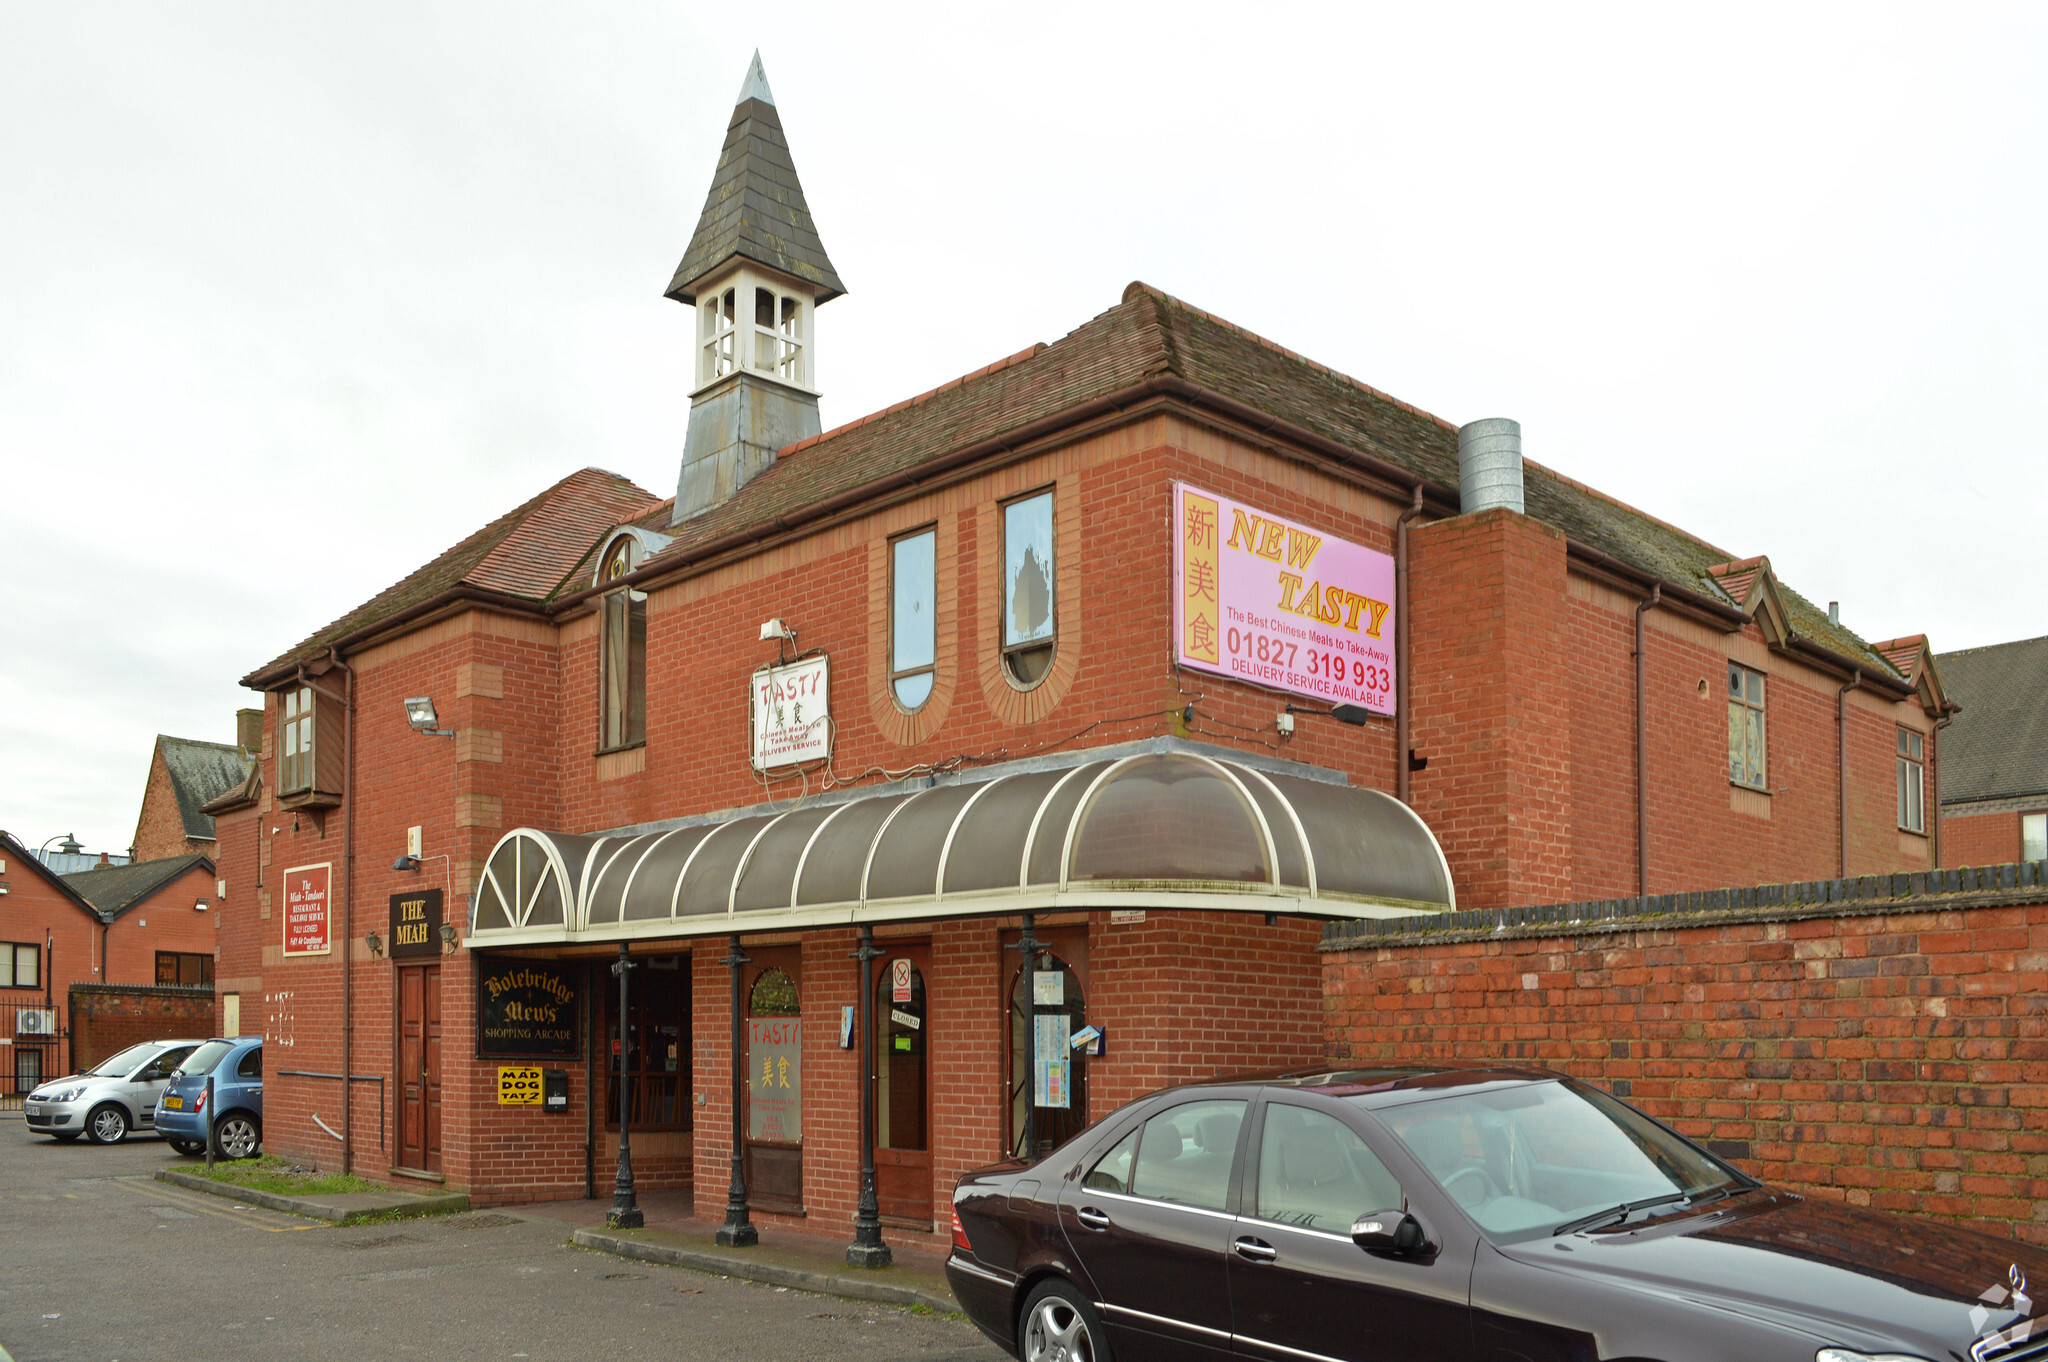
100	1261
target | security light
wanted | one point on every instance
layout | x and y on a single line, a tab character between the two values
419	712
776	629
406	863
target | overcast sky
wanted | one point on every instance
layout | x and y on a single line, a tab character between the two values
292	297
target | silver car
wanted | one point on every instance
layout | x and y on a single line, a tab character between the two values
110	1099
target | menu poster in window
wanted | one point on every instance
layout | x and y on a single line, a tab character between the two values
775	1079
1050	1068
526	1007
1048	987
1267	600
306	919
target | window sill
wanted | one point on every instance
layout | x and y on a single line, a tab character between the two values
1749	789
1913	832
622	747
309	799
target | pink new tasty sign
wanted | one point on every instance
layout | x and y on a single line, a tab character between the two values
1268	600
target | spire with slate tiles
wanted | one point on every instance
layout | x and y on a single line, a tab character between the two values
753	276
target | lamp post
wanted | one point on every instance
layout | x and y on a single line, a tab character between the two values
738	1230
625	1211
867	1248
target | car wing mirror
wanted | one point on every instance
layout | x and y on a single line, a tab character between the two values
1389	1232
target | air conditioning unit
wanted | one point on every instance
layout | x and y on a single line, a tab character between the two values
35	1021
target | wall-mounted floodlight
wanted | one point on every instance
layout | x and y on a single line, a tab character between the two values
406	863
419	712
1343	714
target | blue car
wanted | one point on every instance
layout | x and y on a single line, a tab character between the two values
235	1122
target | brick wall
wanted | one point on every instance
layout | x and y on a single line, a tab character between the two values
1892	1054
1970	837
106	1019
165	921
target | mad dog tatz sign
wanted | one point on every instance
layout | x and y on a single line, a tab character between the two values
525	1007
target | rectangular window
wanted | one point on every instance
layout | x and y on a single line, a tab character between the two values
1029	608
656	1054
295	742
184	969
778	339
1912	781
20	965
2034	836
913	619
1746	727
624	669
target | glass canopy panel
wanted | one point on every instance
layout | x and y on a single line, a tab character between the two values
654	883
1287	848
832	870
1050	842
605	883
771	871
1367	843
490	906
1169	818
707	884
906	860
988	847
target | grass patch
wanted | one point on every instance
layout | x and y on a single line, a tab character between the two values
270	1174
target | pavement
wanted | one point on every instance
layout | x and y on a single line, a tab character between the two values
101	1260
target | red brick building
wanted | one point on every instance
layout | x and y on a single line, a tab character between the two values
981	665
184	775
1994	795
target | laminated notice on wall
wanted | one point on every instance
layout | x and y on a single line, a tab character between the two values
1048	987
1050	1067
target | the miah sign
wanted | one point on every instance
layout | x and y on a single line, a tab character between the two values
1264	599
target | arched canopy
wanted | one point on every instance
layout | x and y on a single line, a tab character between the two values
1155	830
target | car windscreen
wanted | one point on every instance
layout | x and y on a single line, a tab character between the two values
125	1063
1529	1160
203	1060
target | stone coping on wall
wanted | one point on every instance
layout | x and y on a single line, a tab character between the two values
1989	886
142	990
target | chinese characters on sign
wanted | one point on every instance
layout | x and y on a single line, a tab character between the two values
305	909
792	714
1268	601
775	1079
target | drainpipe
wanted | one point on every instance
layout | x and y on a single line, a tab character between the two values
1842	765
348	919
1644	606
1934	779
1401	750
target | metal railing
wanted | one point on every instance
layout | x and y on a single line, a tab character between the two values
378	1079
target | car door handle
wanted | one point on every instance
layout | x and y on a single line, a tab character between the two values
1092	1218
1258	1250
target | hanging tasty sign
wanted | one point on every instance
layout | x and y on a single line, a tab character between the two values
1264	599
525	1007
306	919
775	1079
792	713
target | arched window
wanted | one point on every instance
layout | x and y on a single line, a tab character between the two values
1048	1077
913	618
1029	609
622	652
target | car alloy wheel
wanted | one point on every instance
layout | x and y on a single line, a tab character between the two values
1060	1327
236	1137
107	1125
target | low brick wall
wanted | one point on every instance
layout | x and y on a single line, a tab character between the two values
1888	1051
107	1018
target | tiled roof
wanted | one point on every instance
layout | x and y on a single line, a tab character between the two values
756	206
1997	748
535	550
524	552
200	772
20	860
114	889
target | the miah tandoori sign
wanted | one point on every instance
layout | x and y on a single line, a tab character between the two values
1264	599
307	923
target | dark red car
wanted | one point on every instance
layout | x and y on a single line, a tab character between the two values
1453	1215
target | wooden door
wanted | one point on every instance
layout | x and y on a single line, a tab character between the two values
903	1040
419	1067
775	1080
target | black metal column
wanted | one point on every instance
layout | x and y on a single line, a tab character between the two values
738	1230
625	1211
1027	946
867	1248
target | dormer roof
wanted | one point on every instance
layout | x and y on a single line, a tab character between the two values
756	207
